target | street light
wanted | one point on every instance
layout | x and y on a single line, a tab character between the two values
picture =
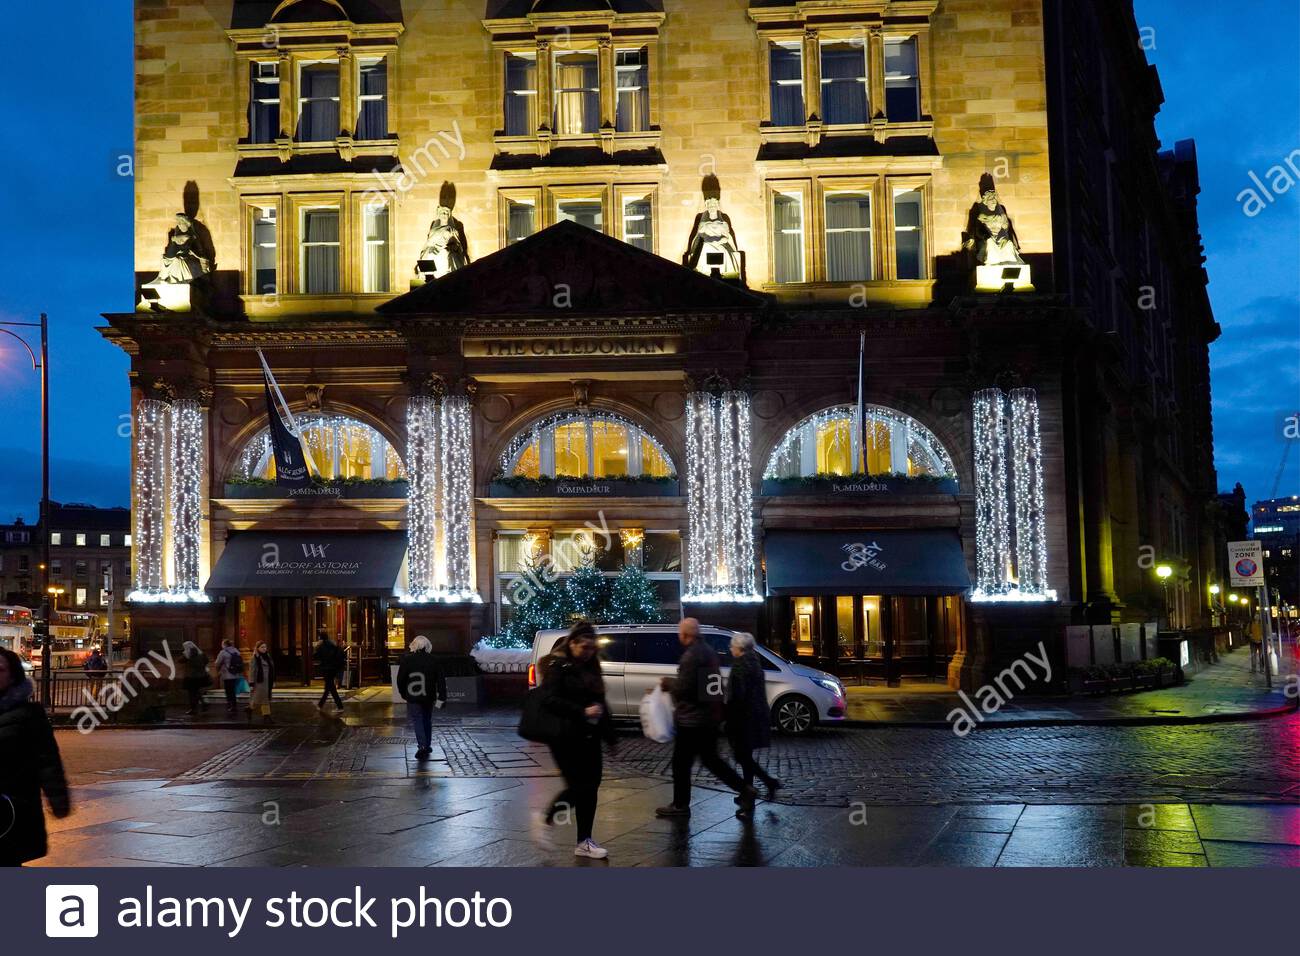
42	365
1164	572
1215	618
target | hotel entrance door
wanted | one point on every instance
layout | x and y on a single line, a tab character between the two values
367	628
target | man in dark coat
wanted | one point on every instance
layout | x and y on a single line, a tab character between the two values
698	695
330	661
749	719
29	766
421	684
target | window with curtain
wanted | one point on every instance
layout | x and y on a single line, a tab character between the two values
638	223
902	80
909	233
372	99
848	237
577	93
574	445
786	69
264	102
571	458
787	237
376	264
320	251
835	447
265	251
844	82
318	102
633	88
521	94
585	212
338	446
521	220
825	444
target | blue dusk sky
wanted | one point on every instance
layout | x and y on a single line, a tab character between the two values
1230	83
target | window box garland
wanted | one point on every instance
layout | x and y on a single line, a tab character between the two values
347	489
622	486
860	485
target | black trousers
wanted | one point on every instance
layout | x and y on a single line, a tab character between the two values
743	751
702	743
231	696
331	687
195	691
580	762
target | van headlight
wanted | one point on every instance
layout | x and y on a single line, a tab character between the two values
830	684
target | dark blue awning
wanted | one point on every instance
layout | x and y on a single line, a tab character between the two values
303	564
865	562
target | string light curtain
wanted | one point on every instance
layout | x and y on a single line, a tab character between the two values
719	495
149	497
1010	538
440	503
187	439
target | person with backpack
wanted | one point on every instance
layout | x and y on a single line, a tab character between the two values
230	670
196	678
330	661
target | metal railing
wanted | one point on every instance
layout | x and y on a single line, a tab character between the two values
74	688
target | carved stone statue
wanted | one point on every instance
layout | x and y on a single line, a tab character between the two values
712	248
182	260
992	237
445	247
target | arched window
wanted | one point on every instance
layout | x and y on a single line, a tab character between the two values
575	444
339	447
828	444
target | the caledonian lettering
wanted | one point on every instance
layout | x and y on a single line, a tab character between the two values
571	346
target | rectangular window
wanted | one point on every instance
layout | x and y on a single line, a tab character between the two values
786	69
103	598
372	98
521	94
104	540
81	541
638	222
126	541
376	265
902	81
81	597
633	82
848	237
265	251
56	568
909	234
320	251
24	563
577	93
80	570
521	219
585	212
844	82
56	537
787	237
318	102
264	102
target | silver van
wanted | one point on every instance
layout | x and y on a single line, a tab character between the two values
635	657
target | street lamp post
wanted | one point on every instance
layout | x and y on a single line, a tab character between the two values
1164	573
43	366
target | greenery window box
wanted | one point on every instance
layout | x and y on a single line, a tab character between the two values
345	489
622	486
860	485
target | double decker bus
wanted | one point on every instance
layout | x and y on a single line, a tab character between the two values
73	635
17	632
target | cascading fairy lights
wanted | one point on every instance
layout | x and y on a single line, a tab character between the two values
186	498
923	447
422	496
1027	462
1010	539
440	504
720	552
152	438
322	433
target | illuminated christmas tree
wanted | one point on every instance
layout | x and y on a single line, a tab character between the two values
633	599
541	601
588	593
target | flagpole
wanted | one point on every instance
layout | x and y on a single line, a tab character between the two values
293	422
860	425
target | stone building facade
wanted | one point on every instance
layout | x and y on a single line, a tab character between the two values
709	280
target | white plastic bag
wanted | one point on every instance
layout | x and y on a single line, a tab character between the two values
657	715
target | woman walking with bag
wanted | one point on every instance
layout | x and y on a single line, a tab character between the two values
574	691
263	683
749	721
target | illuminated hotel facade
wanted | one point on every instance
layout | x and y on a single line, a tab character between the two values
538	276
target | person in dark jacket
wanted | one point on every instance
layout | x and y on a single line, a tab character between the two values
96	668
422	686
196	677
575	691
29	766
749	720
698	696
230	668
330	660
263	683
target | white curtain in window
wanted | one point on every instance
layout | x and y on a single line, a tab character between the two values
848	238
377	249
319	97
633	91
577	97
787	241
321	252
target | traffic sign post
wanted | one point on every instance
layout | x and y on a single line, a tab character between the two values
1246	568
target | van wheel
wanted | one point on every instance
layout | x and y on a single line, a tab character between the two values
794	715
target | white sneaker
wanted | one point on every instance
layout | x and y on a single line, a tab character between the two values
591	849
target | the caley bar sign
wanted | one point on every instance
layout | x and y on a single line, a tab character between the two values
575	346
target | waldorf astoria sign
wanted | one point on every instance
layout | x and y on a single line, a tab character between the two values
572	346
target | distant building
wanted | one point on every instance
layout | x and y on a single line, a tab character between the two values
1276	522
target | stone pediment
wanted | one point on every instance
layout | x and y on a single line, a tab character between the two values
571	269
252	14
